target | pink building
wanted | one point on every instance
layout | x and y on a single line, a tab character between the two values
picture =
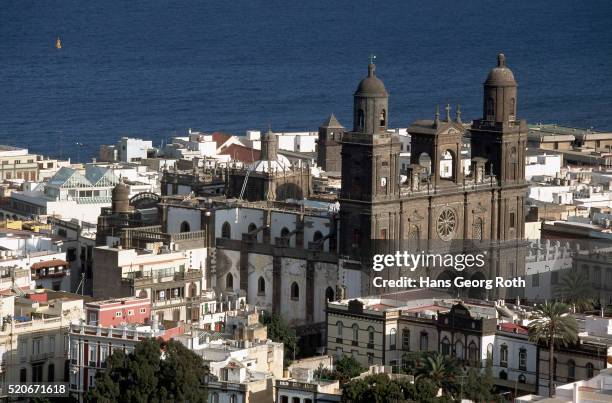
117	312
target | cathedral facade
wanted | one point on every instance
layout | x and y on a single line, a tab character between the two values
437	205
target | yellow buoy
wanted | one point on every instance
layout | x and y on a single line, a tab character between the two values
58	43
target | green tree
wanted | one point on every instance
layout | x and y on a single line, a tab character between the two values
280	332
575	289
157	371
346	368
553	325
380	388
442	370
479	386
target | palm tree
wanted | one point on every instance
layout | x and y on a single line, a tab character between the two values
553	325
441	369
576	290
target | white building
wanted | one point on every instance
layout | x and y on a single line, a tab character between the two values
542	164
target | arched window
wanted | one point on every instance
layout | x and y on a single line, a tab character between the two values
261	286
445	346
233	399
252	228
317	236
522	378
473	353
459	349
383	118
424	342
185	226
284	232
477	229
371	337
490	109
503	355
490	351
355	332
226	230
142	294
229	281
329	294
295	291
503	375
447	165
360	119
590	370
214	397
339	327
571	370
393	338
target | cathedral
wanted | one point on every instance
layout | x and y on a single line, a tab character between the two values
436	204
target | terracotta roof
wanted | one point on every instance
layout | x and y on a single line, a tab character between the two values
241	153
48	263
514	328
220	138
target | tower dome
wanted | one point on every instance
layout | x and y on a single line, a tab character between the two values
121	198
371	85
501	75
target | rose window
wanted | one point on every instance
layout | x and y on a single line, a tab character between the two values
447	224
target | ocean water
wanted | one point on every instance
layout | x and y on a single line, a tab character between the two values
155	68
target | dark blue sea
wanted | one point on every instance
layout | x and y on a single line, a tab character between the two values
155	68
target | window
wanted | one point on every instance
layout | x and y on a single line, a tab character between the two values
317	237
226	230
370	337
370	358
283	399
339	327
503	375
329	294
490	351
523	359
252	228
503	355
535	280
118	314
295	400
360	119
393	339
554	277
37	373
185	227
383	118
512	109
406	340
51	373
522	378
143	310
103	355
459	353
130	312
355	334
477	229
590	370
37	346
52	344
445	346
571	370
424	342
229	281
93	355
233	399
261	286
512	218
490	108
295	291
473	353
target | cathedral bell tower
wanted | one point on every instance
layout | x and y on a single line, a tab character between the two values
370	174
500	136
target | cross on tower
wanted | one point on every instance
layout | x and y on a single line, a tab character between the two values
372	58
